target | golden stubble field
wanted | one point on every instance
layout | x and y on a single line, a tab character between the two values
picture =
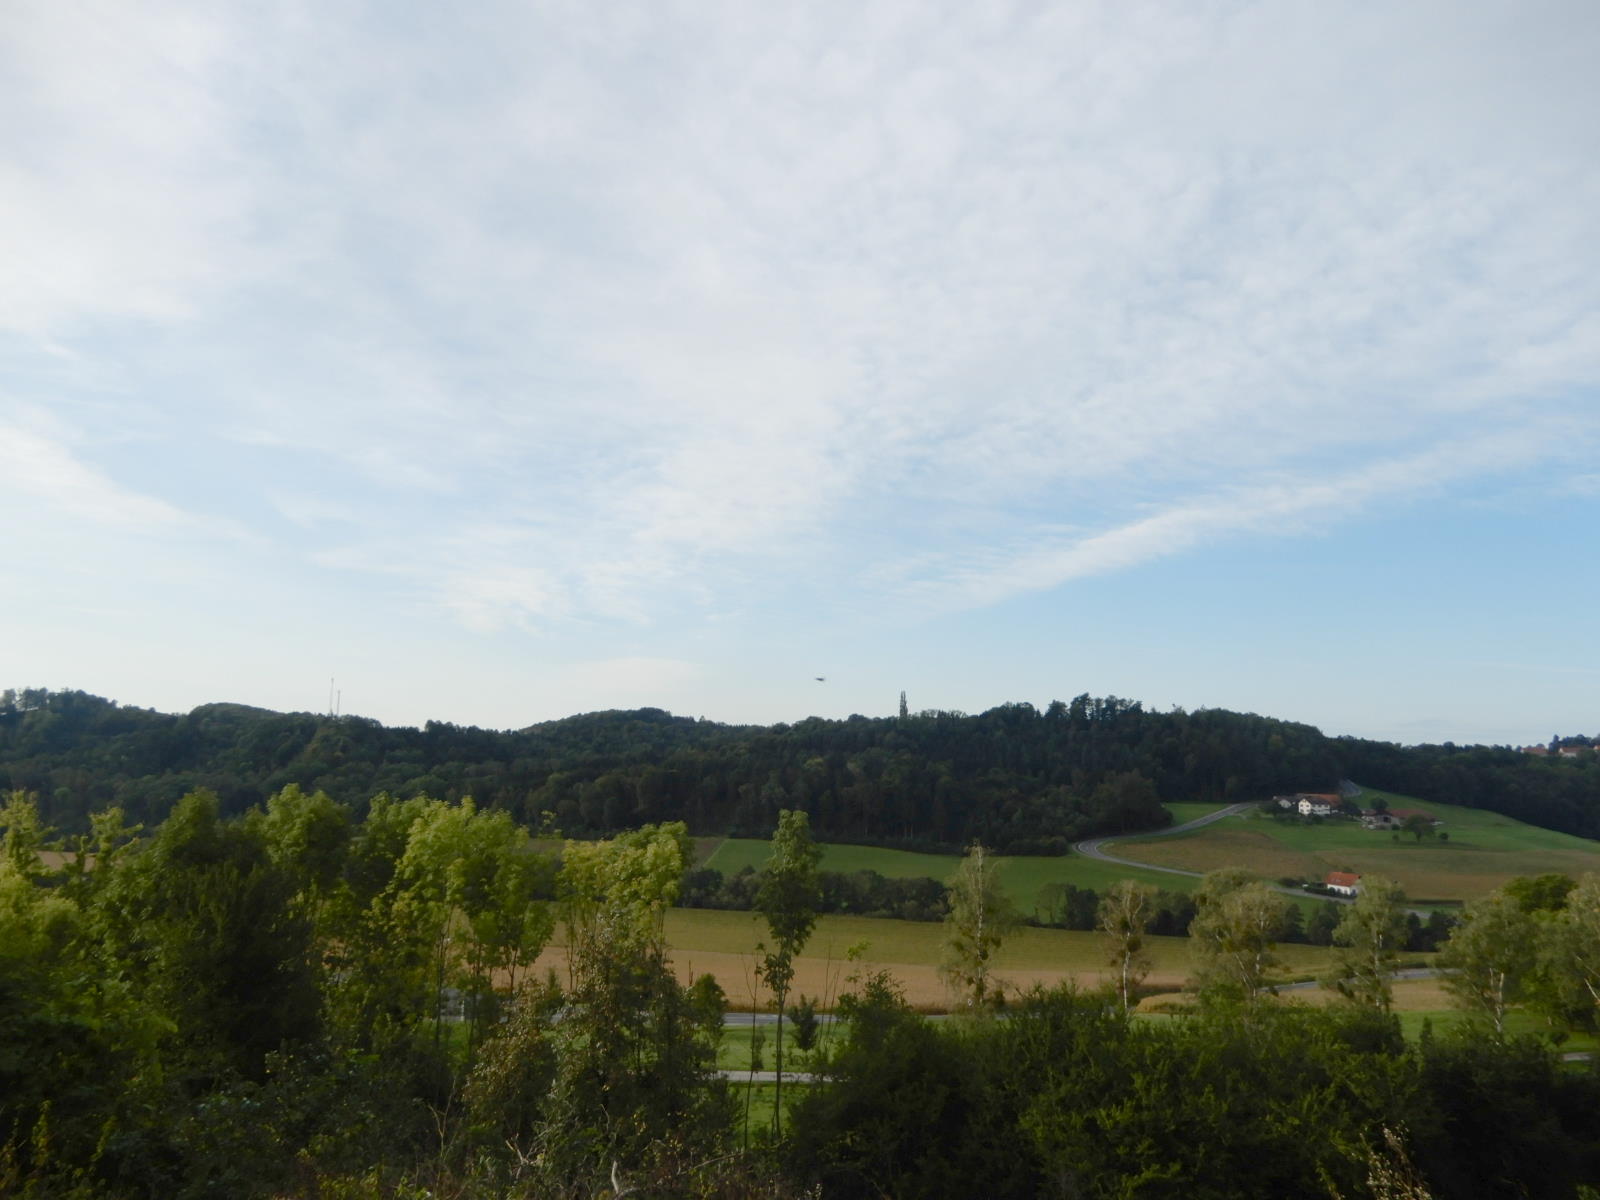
1410	996
723	944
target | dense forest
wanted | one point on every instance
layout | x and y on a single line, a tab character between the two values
1020	779
295	1002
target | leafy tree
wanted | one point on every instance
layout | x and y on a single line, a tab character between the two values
787	900
804	1015
1125	912
1371	933
308	837
1234	934
1418	826
1067	906
1490	957
1540	893
980	919
1570	954
25	835
635	1051
204	924
1324	919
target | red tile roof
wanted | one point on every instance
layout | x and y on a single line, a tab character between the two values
1341	879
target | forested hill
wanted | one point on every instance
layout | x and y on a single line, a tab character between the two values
1019	778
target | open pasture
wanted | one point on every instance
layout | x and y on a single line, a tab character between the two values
1482	852
1024	876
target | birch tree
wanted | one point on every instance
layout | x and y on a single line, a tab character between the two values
981	916
1371	933
1125	911
1490	957
1234	935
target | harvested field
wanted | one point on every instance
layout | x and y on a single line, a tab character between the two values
723	944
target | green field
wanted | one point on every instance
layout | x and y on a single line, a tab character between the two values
1024	876
733	1052
1483	850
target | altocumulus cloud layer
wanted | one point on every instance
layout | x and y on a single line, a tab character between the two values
643	316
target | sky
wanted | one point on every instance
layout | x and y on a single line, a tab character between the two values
494	362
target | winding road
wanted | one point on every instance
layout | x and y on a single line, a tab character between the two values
1095	848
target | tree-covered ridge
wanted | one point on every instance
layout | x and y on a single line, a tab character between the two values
1018	778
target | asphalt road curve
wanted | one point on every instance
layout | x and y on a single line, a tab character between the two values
1095	848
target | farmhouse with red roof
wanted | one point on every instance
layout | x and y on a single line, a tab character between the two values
1342	883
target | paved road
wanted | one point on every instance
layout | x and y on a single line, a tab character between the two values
1095	848
771	1076
768	1018
1394	977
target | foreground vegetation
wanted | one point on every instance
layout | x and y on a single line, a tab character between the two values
294	1002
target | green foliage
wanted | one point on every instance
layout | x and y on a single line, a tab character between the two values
1540	893
1234	935
803	1013
249	1007
1025	780
634	1051
1566	983
1490	958
787	900
1125	914
1371	933
1069	1098
203	924
981	917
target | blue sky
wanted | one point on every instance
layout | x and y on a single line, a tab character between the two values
504	361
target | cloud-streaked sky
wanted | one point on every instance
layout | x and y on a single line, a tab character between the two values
507	360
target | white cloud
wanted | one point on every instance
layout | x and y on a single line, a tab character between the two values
1275	510
50	476
595	314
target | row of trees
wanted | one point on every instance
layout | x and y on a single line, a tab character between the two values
858	893
1017	778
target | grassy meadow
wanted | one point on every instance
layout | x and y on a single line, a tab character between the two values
1024	876
1483	851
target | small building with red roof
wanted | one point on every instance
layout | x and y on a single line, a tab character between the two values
1342	883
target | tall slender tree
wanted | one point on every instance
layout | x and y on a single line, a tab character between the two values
787	899
981	916
1125	911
